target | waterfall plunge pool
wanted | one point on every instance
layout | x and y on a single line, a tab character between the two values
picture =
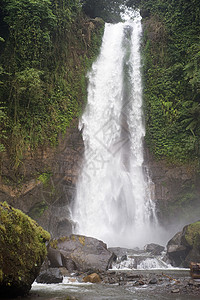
88	291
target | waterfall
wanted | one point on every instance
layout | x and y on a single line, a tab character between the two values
113	199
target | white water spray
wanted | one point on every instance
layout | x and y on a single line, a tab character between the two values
113	201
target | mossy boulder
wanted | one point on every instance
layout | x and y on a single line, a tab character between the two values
78	252
191	235
184	247
22	251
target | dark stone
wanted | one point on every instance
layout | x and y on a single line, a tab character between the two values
124	257
175	251
195	270
153	281
51	275
128	31
145	13
119	252
80	253
154	249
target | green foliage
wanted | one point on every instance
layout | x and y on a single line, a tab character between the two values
48	48
171	73
44	178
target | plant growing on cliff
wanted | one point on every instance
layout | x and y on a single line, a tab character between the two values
47	50
171	77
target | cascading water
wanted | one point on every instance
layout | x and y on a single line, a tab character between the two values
113	201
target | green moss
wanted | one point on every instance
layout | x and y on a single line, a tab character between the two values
53	244
64	238
22	245
44	178
73	238
38	210
82	240
2	229
192	234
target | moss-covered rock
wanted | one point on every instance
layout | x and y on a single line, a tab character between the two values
191	236
22	251
184	247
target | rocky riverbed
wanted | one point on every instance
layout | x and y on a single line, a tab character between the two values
143	284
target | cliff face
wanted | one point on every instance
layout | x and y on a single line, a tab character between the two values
171	105
176	190
42	182
47	186
43	66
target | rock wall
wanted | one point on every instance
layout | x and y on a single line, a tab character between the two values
176	190
44	185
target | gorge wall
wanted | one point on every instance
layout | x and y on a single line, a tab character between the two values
43	66
40	179
176	190
44	185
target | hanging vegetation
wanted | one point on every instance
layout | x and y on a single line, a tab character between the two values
46	48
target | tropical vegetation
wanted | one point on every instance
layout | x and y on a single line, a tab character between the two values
46	48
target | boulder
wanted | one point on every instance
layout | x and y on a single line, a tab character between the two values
81	253
51	275
184	247
22	251
154	249
93	278
195	270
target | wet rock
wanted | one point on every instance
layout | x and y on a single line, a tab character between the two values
120	252
197	283
154	249
175	291
175	251
71	298
112	280
124	257
195	270
93	278
22	251
153	281
51	275
184	247
190	282
80	253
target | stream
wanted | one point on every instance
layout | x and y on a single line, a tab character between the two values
88	291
